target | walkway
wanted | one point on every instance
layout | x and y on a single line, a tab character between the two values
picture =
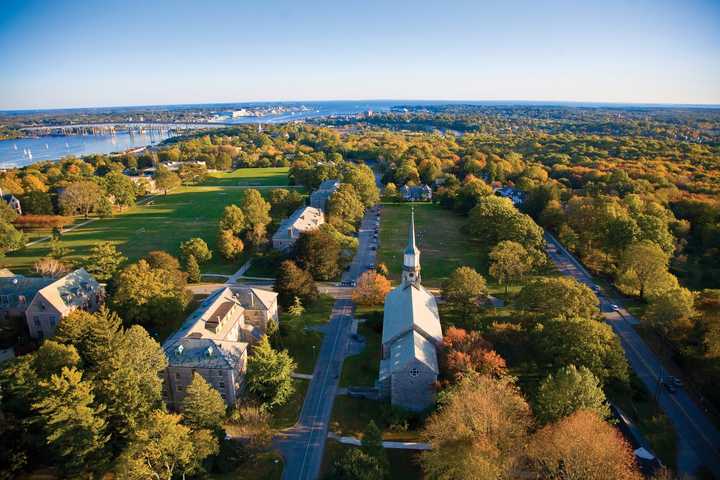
393	445
698	439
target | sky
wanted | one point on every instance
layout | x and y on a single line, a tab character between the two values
56	53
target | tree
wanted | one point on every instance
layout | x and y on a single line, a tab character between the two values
477	431
671	312
509	262
255	209
345	208
296	309
362	178
230	246
643	268
52	356
269	374
203	407
283	202
354	464
50	267
467	352
569	390
10	238
103	261
38	203
81	197
582	447
318	252
166	180
391	191
464	288
291	282
583	343
233	220
164	448
371	289
197	248
559	297
146	294
372	445
382	269
57	250
193	269
73	425
121	188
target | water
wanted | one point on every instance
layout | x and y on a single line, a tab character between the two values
18	153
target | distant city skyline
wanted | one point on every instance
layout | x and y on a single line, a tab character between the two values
71	54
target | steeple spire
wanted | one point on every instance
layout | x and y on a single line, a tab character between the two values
411	256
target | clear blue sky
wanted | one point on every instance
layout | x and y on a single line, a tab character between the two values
79	53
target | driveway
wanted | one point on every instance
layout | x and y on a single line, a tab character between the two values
698	439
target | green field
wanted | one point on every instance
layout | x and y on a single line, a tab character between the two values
250	177
160	224
443	247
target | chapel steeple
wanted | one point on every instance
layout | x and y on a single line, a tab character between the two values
411	256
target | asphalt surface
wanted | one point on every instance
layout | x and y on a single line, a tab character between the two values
698	439
303	445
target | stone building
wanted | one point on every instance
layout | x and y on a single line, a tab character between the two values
319	197
214	342
410	338
304	219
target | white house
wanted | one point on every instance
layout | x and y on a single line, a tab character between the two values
410	339
12	201
304	219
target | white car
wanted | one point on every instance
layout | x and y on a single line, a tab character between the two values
615	307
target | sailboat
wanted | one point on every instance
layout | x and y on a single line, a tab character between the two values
15	146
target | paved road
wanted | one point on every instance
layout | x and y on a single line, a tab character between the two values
303	445
698	439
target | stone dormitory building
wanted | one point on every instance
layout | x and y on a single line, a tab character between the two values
214	341
411	337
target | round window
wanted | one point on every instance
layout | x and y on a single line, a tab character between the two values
414	372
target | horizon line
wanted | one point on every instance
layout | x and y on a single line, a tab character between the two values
399	101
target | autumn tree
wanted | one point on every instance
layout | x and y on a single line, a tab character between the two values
509	262
193	269
81	197
559	297
166	180
230	246
51	267
464	288
257	217
569	390
121	188
371	289
468	352
103	261
478	432
269	374
644	270
202	407
197	248
582	447
671	312
345	209
233	220
362	178
293	282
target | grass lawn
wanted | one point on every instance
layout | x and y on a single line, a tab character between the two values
160	224
287	415
363	369
256	177
303	343
351	416
404	464
264	466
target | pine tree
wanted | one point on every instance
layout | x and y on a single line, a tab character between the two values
203	407
269	374
73	426
296	309
372	444
103	261
193	269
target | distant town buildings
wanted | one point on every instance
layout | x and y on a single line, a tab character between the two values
12	201
320	197
214	342
304	219
410	338
416	193
56	300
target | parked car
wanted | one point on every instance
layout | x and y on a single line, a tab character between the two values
615	307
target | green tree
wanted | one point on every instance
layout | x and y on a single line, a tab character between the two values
73	425
291	282
166	180
193	269
121	188
671	312
569	390
233	220
583	343
390	192
164	448
509	262
58	251
230	246
203	407
103	261
269	374
296	309
318	252
37	203
345	209
354	464
255	208
372	445
559	297
362	178
10	238
52	356
463	289
197	248
643	269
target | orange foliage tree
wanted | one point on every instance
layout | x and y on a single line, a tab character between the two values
371	289
464	352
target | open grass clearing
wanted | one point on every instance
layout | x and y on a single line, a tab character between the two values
250	177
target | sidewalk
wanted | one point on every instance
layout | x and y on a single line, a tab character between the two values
392	445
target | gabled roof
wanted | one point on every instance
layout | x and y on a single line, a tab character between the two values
409	348
5	273
265	297
329	184
205	353
70	291
303	219
410	307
